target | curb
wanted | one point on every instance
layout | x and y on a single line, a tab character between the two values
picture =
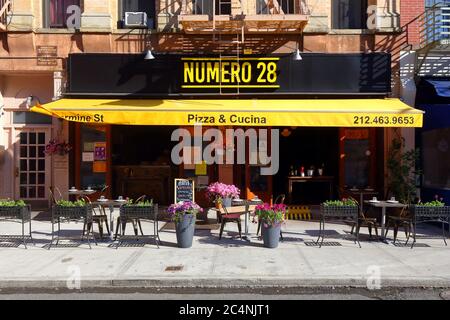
225	283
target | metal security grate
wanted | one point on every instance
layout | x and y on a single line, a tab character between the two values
173	268
419	245
10	244
324	244
291	239
11	238
63	245
127	245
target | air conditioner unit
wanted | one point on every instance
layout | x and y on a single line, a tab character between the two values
136	19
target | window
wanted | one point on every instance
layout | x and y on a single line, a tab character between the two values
147	6
430	3
93	155
31	118
438	20
262	7
436	158
55	12
349	14
223	7
279	7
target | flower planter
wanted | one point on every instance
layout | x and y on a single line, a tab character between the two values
138	212
185	229
428	212
16	212
270	235
223	193
22	213
132	213
227	202
72	213
339	211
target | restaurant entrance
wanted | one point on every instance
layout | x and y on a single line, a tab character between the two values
318	164
141	163
316	152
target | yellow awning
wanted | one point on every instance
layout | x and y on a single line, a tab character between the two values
242	112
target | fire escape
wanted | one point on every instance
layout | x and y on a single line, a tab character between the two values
228	22
434	36
5	10
228	16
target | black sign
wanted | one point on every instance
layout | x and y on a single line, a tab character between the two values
180	75
230	73
184	190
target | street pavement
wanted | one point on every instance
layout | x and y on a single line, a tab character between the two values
227	263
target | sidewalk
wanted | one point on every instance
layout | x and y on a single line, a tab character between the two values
229	262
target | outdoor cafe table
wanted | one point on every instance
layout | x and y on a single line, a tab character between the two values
383	205
111	204
247	203
80	193
361	193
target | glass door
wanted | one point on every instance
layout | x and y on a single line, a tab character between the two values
32	166
357	158
258	185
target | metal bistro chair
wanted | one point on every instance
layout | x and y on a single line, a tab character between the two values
232	214
99	217
403	219
52	195
278	200
122	222
364	221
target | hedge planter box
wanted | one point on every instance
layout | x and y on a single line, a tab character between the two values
271	235
339	211
136	213
64	213
347	213
16	212
21	213
139	212
82	214
185	229
432	213
423	214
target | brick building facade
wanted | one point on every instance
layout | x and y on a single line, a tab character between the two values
35	45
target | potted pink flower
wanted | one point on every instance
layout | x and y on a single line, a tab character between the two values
271	217
222	194
184	215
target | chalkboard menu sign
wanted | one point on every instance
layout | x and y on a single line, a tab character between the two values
184	190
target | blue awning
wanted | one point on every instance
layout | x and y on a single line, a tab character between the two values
442	87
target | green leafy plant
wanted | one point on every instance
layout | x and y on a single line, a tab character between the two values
402	171
434	203
143	203
67	203
341	203
12	203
